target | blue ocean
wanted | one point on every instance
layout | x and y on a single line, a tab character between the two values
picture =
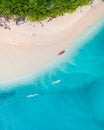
67	95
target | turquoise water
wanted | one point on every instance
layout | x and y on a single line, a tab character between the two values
68	96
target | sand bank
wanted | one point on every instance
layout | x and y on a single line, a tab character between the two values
26	48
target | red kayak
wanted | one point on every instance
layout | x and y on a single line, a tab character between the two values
61	52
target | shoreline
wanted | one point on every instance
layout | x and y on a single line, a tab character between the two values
71	52
21	58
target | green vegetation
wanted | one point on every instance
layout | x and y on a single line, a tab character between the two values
37	10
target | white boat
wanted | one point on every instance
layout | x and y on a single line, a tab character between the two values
32	95
56	82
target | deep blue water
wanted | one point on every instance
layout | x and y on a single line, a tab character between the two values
74	102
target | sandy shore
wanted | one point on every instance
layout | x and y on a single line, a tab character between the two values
26	48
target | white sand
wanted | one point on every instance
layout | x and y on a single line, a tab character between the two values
25	49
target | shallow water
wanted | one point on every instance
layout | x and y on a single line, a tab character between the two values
68	96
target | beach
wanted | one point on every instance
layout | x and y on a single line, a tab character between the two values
29	47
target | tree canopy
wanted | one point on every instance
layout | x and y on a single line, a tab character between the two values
37	10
